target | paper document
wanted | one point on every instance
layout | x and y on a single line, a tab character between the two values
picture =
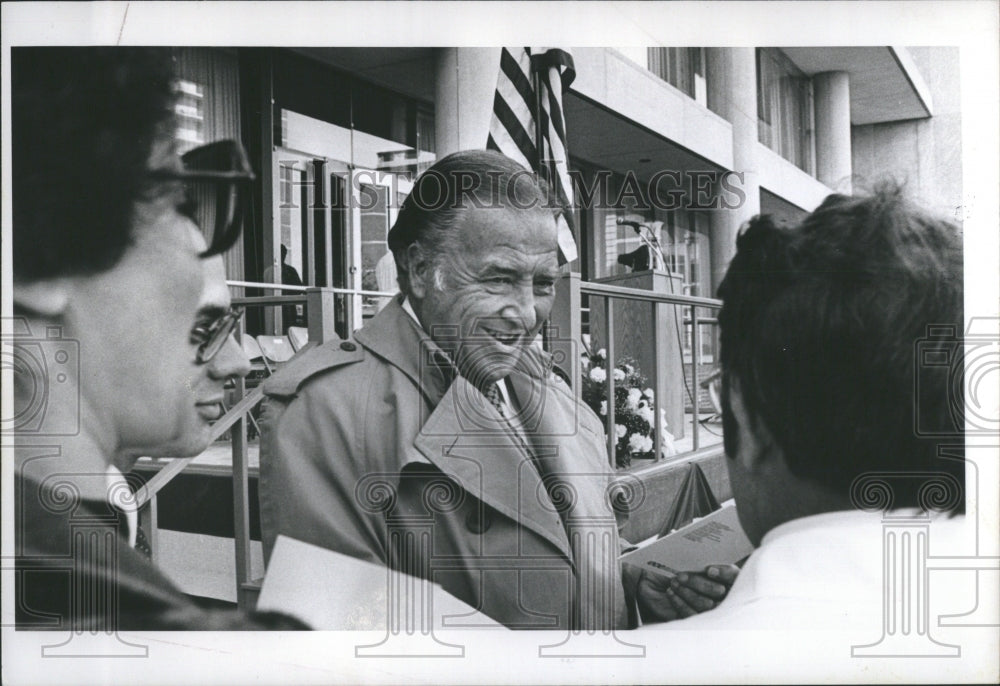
715	539
332	591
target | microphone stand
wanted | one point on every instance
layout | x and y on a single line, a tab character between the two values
650	241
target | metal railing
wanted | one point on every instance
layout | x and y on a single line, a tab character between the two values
320	315
657	302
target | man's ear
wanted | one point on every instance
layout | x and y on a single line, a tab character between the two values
419	270
757	446
46	297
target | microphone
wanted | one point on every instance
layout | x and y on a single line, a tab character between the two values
636	226
650	242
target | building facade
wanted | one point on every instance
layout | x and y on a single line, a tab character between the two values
692	141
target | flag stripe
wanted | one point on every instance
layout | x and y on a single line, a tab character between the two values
517	77
512	129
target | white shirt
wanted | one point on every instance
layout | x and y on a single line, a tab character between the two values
119	496
823	572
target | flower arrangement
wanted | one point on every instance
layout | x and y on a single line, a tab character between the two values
635	404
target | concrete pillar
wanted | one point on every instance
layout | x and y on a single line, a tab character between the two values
465	81
832	104
732	94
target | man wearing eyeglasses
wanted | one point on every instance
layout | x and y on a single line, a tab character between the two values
121	342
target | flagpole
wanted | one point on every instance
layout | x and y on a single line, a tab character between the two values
539	132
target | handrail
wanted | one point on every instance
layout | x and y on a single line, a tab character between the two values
148	490
607	290
690	305
331	289
271	300
267	285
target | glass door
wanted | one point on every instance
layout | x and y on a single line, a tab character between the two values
376	197
337	193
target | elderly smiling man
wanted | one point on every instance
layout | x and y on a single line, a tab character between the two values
443	415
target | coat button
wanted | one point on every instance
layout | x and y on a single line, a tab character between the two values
478	523
348	346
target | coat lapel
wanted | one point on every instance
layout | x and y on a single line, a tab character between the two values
466	438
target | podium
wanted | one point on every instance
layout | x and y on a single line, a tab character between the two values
635	338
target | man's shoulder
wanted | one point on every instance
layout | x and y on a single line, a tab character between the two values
317	361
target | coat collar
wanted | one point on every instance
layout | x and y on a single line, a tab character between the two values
395	337
464	436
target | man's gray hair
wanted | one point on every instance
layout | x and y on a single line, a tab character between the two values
464	180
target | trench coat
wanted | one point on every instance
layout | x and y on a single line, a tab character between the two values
374	448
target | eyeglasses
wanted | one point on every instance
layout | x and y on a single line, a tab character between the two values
217	180
211	338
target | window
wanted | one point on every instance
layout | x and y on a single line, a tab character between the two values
190	110
785	109
682	68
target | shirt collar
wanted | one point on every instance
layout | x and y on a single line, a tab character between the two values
408	309
118	496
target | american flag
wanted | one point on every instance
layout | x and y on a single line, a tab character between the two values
513	127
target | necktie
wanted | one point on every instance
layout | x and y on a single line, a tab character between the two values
496	400
142	543
124	529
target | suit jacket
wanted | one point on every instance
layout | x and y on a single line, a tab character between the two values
374	448
76	571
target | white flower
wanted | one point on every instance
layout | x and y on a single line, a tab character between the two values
628	368
598	374
640	444
633	398
667	445
619	374
646	413
620	430
604	407
601	353
649	394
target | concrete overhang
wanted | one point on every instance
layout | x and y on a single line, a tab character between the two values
886	85
618	114
610	141
407	71
787	182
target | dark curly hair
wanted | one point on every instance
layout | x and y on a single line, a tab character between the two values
84	120
819	326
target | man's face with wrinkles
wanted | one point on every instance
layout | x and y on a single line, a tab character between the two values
495	282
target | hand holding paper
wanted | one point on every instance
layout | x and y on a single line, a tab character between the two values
690	570
663	599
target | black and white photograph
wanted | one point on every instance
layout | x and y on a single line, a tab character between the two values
514	342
